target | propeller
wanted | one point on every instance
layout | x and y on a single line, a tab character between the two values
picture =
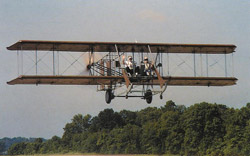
89	59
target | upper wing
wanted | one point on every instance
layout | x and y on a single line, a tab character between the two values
107	80
122	47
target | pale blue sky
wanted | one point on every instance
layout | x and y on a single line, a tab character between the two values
43	111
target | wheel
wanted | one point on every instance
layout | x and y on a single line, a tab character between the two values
109	96
148	96
161	97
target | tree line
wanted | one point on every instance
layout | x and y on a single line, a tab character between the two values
6	142
201	129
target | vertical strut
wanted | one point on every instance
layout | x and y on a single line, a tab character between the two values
117	51
36	60
201	63
149	49
161	66
232	64
133	55
58	65
102	87
168	62
108	64
90	73
93	60
194	66
18	68
53	60
119	59
142	58
207	63
21	60
225	64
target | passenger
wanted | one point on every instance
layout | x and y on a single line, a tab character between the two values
146	67
129	65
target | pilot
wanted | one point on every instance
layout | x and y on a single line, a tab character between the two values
129	65
146	67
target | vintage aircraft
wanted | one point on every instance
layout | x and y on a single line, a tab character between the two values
109	72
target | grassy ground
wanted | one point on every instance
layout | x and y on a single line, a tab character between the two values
92	154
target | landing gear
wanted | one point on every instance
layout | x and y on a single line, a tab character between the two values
109	96
148	96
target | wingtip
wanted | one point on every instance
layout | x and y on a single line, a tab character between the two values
9	83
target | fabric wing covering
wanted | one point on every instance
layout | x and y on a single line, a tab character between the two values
106	80
72	46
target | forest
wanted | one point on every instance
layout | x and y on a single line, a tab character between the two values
201	129
6	142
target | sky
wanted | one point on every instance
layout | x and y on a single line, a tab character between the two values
43	111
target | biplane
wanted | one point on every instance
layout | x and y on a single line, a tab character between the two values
109	72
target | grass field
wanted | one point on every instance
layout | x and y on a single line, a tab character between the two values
90	154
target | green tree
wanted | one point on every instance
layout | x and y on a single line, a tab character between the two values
237	125
17	149
150	114
151	142
201	129
78	125
124	140
53	145
246	139
171	132
2	147
108	119
128	117
169	106
203	125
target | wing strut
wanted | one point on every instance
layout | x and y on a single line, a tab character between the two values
163	83
127	82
